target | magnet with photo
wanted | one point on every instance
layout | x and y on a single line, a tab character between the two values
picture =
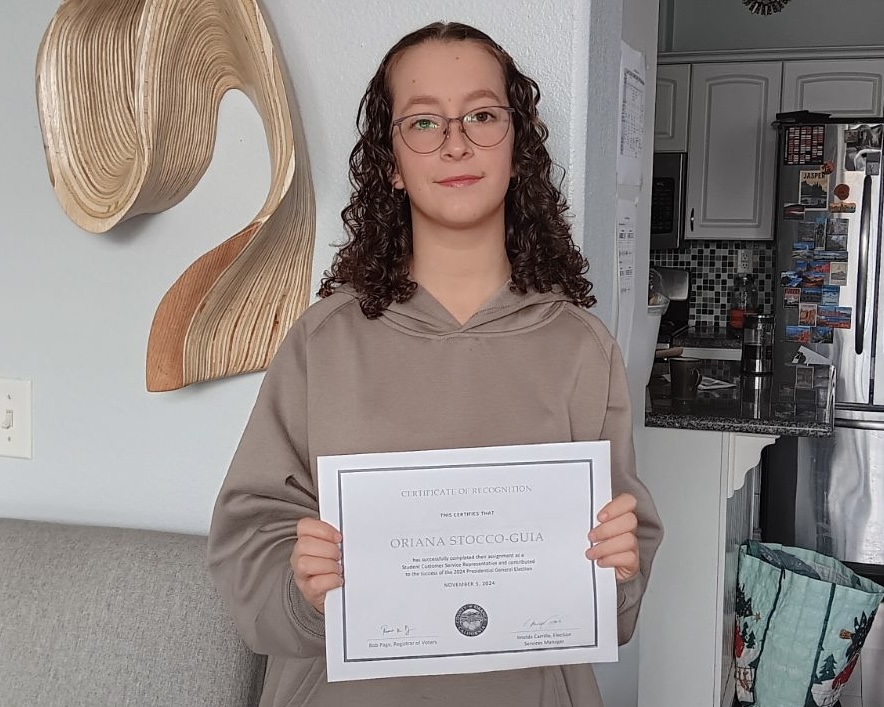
837	226
822	335
831	295
798	334
811	279
812	295
836	242
807	314
811	231
790	279
793	211
803	249
813	188
792	296
838	274
830	255
836	317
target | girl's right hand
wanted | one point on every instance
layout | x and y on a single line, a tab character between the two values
316	561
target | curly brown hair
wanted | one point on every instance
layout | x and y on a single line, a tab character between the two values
375	259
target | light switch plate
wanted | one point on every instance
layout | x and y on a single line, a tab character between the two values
16	420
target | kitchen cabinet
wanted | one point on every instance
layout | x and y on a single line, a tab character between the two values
732	150
686	628
843	88
672	105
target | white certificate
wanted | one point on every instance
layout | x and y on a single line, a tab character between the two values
467	560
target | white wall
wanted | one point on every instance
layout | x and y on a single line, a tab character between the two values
76	307
702	25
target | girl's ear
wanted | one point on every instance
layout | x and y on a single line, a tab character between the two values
396	180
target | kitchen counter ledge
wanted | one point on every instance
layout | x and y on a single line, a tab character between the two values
794	401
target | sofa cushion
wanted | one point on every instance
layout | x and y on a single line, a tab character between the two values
107	616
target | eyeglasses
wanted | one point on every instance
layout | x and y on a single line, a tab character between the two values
426	132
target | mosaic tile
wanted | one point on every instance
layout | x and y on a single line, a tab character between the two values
713	266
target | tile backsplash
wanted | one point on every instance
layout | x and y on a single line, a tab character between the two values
713	267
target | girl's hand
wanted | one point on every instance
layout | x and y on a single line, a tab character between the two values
316	561
614	543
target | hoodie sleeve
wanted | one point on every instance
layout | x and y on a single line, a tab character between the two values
617	428
268	488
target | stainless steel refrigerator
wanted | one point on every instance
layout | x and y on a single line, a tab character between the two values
827	494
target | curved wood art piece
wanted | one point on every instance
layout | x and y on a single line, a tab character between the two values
128	92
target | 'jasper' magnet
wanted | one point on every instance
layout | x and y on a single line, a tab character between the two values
842	191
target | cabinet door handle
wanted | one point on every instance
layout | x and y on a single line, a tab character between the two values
692	220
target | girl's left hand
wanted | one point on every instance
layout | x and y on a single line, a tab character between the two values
614	543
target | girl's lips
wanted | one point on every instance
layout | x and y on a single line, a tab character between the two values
464	180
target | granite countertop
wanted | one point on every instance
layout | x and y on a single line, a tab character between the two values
707	338
782	403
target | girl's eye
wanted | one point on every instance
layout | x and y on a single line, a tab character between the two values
424	123
480	116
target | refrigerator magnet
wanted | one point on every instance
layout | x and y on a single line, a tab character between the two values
831	294
841	191
813	295
791	296
806	314
842	207
798	334
835	317
810	231
803	250
838	274
790	279
793	211
813	188
837	226
822	335
828	167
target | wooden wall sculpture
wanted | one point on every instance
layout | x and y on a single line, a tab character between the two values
128	94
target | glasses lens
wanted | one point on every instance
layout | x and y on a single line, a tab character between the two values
423	133
486	127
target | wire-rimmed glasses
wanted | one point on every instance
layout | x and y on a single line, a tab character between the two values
426	132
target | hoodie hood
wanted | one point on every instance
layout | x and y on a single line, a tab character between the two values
505	311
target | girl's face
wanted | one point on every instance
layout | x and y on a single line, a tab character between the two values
460	185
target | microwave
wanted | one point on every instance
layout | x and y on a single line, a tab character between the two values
668	200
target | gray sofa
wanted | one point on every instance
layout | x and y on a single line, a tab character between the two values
106	616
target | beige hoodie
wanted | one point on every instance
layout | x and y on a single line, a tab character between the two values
524	369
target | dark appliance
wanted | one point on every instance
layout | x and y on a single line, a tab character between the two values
677	286
668	200
827	494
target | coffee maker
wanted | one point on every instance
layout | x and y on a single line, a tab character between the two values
677	286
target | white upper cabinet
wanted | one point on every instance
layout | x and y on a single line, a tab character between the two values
843	88
732	150
671	108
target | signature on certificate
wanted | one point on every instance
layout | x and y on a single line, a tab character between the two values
403	630
545	622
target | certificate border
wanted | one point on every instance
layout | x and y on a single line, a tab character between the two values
413	467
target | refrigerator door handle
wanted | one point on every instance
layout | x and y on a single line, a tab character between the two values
863	266
859	424
692	220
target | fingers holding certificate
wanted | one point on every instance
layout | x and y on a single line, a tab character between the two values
466	560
